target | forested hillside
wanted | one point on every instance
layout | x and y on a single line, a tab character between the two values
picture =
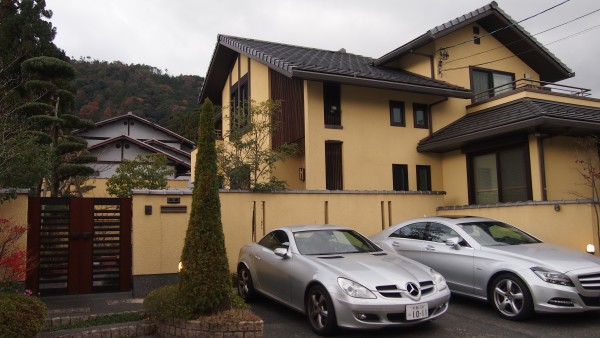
105	90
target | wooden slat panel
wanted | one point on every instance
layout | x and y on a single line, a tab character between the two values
290	119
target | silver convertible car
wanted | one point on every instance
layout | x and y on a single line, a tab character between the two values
337	277
497	262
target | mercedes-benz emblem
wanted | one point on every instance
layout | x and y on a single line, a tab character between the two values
413	290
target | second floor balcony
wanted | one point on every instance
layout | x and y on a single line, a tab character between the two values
528	87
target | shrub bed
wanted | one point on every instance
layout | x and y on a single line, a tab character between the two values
21	315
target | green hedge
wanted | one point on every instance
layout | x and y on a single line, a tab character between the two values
20	315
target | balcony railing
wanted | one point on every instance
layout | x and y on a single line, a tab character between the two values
531	84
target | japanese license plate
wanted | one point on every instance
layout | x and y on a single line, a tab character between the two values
417	311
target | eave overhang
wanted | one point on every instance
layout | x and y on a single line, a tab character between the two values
534	120
508	32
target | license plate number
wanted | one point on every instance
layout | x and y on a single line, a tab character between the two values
417	311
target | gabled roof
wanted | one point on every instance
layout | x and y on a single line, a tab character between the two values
155	143
130	115
508	32
141	145
316	64
523	116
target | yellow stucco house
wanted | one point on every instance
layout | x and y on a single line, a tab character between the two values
464	119
469	110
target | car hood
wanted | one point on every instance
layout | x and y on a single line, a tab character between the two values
372	270
549	256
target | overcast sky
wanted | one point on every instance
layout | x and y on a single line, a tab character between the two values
180	35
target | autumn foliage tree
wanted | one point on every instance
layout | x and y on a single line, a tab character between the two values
12	258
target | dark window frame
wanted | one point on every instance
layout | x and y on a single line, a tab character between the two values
400	177
398	104
497	150
490	73
427	169
240	96
334	165
332	112
425	108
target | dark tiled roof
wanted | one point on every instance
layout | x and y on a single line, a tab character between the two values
294	58
130	115
522	116
507	31
140	144
317	64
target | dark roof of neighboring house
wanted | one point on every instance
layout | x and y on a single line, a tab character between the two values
523	116
141	145
158	143
130	115
507	31
316	64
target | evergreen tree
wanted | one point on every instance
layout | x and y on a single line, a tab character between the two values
144	172
25	32
205	279
48	110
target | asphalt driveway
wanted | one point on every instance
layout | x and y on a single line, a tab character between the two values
465	318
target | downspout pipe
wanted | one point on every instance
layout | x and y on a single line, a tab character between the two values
542	161
429	115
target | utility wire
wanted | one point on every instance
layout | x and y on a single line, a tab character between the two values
513	42
527	51
505	27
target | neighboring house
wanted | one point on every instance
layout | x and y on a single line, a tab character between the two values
124	137
469	108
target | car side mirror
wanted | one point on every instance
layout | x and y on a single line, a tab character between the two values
281	252
453	242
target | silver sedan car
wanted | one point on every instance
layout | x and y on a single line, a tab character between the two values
337	277
497	262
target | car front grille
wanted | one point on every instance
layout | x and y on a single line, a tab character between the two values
392	291
590	301
590	282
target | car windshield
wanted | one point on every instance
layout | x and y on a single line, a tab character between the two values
497	233
328	242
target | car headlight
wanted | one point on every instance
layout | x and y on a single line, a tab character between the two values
354	289
551	276
439	280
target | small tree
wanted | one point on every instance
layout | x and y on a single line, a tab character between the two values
589	158
204	280
248	160
144	172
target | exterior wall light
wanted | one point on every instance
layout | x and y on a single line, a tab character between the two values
180	267
590	249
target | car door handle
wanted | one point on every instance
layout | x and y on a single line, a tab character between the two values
430	248
257	257
395	244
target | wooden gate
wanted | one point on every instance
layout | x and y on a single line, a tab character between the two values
78	245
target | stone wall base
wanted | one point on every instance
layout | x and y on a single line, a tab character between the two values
203	329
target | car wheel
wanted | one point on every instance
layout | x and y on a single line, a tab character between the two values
511	298
320	311
245	286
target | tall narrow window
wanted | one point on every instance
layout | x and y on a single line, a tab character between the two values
421	115
500	176
397	117
488	83
400	177
240	108
331	101
333	165
424	178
